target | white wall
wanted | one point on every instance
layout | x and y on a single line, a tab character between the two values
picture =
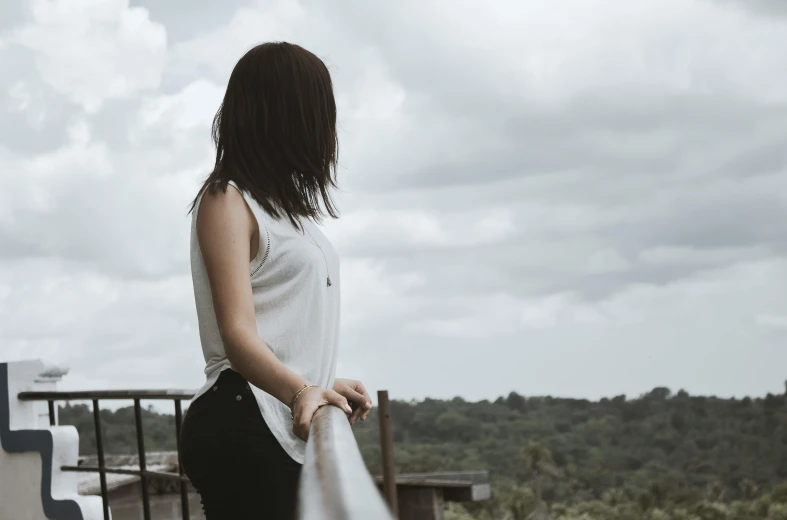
23	474
20	486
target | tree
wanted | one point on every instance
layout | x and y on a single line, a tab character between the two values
455	511
538	460
748	488
522	503
516	402
660	393
714	491
614	497
779	493
659	493
777	512
712	511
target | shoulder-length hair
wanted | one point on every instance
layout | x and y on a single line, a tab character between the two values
275	132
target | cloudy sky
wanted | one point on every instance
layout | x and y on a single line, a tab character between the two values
570	198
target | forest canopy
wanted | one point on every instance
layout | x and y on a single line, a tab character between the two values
662	451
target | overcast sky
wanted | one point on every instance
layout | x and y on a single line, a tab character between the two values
554	197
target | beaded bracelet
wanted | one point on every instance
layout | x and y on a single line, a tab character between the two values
295	398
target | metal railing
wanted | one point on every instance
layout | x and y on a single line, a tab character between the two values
335	483
143	473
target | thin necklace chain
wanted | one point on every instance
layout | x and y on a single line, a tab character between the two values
323	256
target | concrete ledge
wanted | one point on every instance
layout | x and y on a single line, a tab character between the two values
422	496
456	486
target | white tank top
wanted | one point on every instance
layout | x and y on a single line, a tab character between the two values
297	312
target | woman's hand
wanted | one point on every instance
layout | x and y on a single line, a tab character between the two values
357	395
308	402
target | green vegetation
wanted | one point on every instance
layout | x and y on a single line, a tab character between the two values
658	457
119	433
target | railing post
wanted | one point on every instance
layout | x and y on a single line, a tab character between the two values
184	495
102	474
143	479
386	445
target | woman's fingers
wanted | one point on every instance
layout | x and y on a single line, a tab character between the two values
339	400
356	394
356	397
368	407
362	390
356	414
302	423
309	404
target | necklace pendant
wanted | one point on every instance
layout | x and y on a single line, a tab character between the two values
329	281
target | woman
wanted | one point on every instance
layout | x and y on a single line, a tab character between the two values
266	285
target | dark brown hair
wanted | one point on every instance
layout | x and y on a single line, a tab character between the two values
275	132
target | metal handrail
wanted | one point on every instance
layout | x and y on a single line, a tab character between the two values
334	483
143	473
104	395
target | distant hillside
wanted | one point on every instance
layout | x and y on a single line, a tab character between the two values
680	440
680	444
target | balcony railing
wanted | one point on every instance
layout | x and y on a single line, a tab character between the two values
335	483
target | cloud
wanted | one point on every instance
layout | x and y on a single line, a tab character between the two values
85	203
767	8
573	199
221	46
68	313
772	321
93	50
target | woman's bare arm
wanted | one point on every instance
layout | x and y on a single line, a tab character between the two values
225	226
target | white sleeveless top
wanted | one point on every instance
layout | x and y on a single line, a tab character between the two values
297	312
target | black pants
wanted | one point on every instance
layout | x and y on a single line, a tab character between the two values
233	460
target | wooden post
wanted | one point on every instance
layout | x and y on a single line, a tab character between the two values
386	445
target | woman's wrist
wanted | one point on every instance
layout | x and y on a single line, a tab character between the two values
298	395
295	386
